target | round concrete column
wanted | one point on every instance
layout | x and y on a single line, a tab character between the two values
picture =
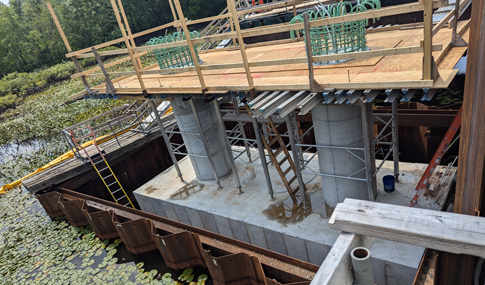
187	124
340	125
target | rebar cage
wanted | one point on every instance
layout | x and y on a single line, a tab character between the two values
337	38
173	57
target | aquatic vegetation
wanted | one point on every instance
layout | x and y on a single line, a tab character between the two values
36	250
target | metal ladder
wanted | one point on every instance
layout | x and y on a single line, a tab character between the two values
268	142
103	169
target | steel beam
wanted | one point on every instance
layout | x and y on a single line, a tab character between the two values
225	144
167	140
395	137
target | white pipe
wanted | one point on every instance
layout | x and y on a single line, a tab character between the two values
362	266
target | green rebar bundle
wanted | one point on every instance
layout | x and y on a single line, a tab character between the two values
337	38
176	56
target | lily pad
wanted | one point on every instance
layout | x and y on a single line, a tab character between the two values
140	265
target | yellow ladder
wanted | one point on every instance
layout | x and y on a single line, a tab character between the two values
102	166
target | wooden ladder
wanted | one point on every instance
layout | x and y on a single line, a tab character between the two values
273	154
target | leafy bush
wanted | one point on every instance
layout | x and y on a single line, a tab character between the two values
29	83
7	101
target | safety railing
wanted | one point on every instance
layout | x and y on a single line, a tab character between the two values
135	117
134	52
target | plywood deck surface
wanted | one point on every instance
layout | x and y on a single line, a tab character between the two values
406	67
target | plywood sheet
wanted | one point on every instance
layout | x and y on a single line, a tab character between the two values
377	69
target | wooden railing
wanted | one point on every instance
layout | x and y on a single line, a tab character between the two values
426	47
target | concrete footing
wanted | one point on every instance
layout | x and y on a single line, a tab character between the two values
277	225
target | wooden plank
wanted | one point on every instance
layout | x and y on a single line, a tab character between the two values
59	28
194	22
232	9
113	42
336	269
152	30
395	27
77	75
298	60
470	188
309	52
212	38
447	18
268	43
109	85
443	231
190	45
452	268
78	95
428	40
130	36
375	53
127	43
106	44
173	10
105	53
68	46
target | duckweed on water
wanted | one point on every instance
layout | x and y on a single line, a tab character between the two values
36	250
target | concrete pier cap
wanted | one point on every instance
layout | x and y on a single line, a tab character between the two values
341	126
190	134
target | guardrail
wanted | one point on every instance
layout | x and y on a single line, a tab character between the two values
426	47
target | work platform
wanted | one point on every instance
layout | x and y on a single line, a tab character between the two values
280	225
364	72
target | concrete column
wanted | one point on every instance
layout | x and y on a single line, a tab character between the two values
187	124
340	126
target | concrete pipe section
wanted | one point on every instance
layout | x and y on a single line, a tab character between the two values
340	126
188	126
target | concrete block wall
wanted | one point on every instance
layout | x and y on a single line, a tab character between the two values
385	272
293	246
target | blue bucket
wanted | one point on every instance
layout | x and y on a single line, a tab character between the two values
389	183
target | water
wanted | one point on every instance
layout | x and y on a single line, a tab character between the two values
13	150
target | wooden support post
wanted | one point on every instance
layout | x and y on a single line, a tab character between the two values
174	15
294	15
190	44
314	86
232	10
110	88
128	29
430	70
470	185
456	39
68	46
130	51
